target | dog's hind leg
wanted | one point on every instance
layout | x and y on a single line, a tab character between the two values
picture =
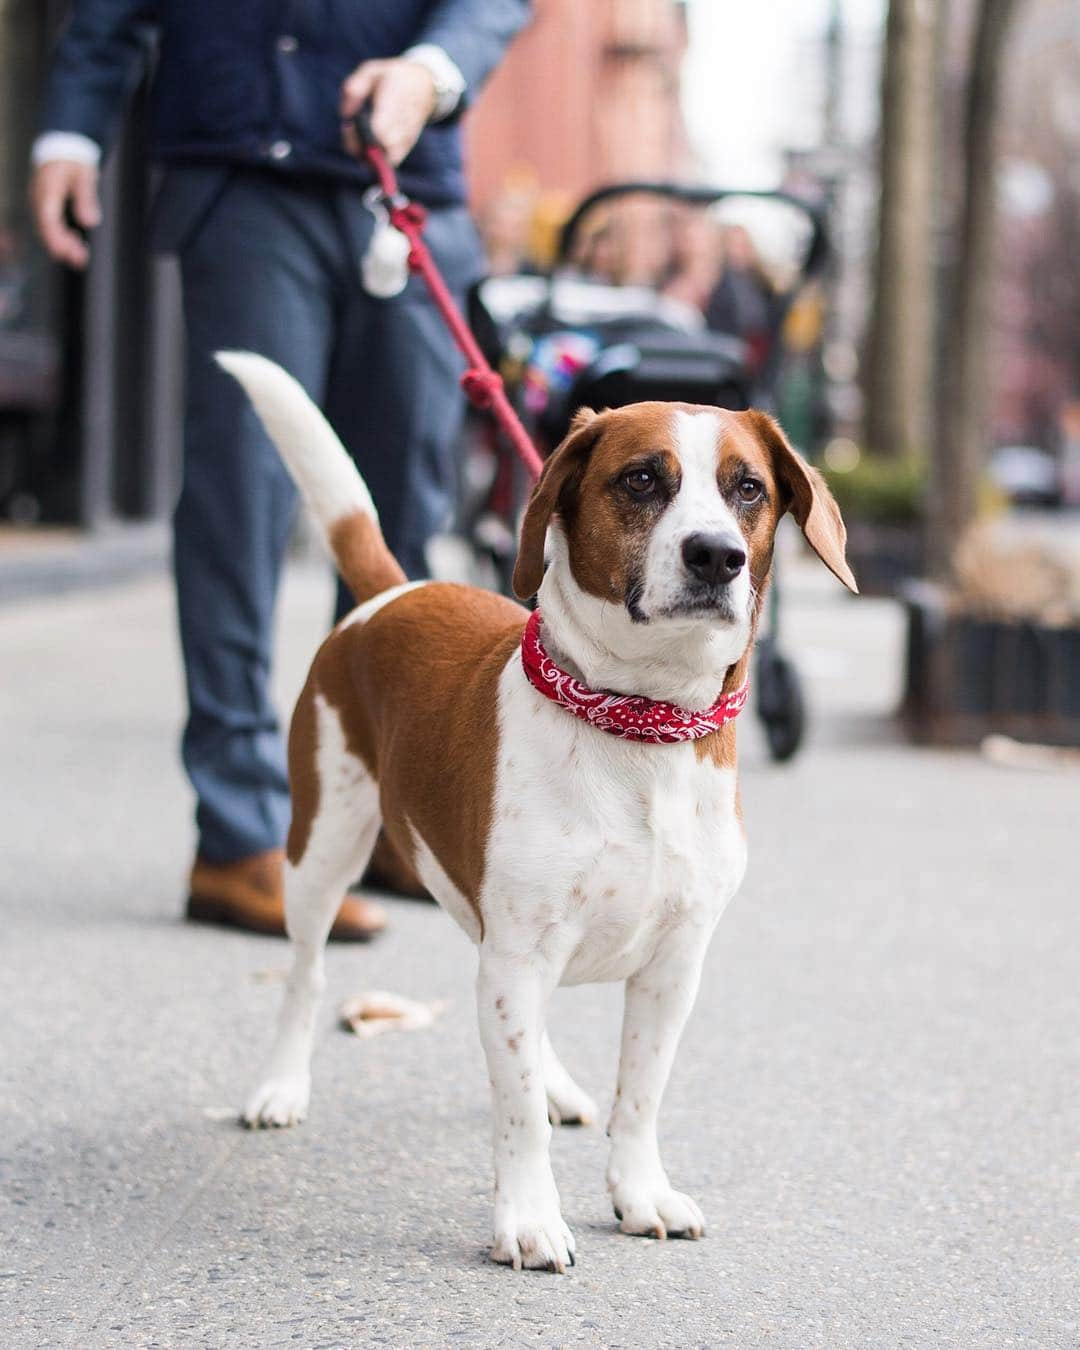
567	1103
335	824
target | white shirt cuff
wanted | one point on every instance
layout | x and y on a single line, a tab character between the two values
449	81
69	145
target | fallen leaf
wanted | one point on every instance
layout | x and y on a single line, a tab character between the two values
372	1013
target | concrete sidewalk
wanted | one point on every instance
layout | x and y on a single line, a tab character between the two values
876	1102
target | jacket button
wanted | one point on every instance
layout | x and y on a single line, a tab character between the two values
280	150
287	44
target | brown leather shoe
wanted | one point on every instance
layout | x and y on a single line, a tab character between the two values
250	894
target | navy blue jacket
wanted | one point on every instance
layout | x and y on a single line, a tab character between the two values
227	88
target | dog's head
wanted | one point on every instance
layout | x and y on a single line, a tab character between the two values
669	511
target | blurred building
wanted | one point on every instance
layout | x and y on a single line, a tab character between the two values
89	365
588	92
31	300
1038	295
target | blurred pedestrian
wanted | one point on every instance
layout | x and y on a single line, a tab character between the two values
743	302
263	202
693	266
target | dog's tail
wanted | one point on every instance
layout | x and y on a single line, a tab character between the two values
323	471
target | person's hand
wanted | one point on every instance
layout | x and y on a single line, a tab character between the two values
52	186
403	97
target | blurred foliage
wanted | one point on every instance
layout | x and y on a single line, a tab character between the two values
879	490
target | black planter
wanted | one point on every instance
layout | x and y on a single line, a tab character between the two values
884	557
968	676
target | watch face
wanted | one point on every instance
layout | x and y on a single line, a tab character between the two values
446	79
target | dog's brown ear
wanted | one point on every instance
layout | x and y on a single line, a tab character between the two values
564	464
808	499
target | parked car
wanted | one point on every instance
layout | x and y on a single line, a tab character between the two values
1027	475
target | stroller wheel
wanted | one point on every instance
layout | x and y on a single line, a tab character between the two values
781	706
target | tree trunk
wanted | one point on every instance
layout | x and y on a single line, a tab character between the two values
897	373
964	407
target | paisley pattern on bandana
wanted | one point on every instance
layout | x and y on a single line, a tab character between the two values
627	715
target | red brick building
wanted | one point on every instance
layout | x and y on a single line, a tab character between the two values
589	93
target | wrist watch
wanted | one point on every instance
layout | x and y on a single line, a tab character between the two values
445	76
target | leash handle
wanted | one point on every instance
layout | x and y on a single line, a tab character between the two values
376	155
362	123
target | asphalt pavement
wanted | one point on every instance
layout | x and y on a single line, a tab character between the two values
877	1102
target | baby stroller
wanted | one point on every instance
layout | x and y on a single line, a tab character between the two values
612	324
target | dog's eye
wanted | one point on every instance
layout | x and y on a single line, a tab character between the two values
751	490
640	481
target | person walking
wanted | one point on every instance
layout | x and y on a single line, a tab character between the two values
263	201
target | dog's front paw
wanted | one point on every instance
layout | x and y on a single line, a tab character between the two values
278	1102
532	1234
656	1210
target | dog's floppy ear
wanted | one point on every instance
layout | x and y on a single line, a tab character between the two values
808	499
567	460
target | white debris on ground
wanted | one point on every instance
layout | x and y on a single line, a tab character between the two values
1012	754
374	1012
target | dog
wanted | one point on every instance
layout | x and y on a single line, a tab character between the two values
563	782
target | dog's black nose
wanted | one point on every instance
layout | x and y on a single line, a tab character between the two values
715	558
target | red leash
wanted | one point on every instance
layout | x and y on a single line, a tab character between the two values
483	386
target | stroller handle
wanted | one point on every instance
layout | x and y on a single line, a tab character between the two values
816	254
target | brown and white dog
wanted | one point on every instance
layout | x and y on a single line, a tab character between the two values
566	854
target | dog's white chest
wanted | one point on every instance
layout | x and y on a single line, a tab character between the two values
600	847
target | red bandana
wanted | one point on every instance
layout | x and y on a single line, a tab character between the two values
628	715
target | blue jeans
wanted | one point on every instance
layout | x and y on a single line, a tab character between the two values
273	267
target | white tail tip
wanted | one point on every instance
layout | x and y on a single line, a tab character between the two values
311	449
